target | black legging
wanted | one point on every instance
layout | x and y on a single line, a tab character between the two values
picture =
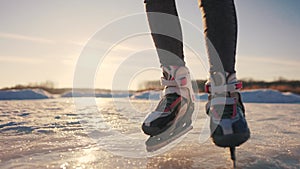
220	29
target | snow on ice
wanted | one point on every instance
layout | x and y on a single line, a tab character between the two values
26	94
249	96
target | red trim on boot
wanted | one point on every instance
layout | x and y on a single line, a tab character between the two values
173	104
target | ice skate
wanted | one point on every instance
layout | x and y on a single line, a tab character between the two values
227	113
173	115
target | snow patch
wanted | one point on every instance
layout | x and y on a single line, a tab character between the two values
149	95
269	96
77	94
248	96
26	94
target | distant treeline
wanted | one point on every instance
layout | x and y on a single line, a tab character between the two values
47	86
50	87
281	85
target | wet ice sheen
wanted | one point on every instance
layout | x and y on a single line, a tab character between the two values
55	134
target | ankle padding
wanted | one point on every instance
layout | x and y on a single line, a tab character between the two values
178	81
232	87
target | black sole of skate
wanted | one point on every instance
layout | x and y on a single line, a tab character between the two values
232	140
155	143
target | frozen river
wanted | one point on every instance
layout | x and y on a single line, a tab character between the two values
105	133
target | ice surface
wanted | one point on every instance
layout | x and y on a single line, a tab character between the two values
105	133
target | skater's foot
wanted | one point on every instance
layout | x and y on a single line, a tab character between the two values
228	124
178	99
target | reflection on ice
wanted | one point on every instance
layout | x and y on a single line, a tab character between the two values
118	122
106	134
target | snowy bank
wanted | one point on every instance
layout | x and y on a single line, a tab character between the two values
97	94
269	96
26	94
248	96
77	94
149	95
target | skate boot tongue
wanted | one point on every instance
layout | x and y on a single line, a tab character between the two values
222	84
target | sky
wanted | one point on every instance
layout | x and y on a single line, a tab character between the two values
45	40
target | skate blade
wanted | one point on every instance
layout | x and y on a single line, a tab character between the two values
157	142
